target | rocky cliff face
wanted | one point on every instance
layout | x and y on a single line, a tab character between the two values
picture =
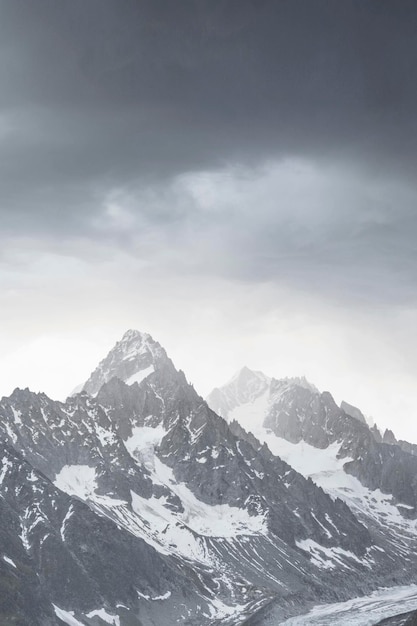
353	411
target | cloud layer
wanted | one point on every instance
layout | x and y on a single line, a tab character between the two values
241	172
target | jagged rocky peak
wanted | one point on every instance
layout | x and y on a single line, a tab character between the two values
299	381
389	437
353	411
133	358
376	433
246	383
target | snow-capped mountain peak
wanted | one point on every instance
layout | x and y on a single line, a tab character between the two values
245	373
254	391
135	336
132	359
141	501
244	387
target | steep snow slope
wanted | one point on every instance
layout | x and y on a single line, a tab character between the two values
324	443
297	413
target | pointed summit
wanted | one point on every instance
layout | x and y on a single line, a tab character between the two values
133	358
245	373
244	387
252	387
135	335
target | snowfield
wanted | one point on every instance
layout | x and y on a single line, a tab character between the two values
141	375
164	526
219	520
325	468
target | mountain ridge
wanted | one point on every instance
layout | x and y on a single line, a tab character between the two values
224	522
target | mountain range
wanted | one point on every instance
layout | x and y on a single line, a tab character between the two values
138	503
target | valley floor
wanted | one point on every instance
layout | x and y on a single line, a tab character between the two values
365	611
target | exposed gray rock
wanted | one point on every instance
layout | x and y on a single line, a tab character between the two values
376	433
389	437
353	411
411	448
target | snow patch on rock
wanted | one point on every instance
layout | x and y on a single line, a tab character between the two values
9	561
328	558
139	376
67	617
77	480
106	617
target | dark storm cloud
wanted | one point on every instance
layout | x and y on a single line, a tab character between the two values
100	96
119	88
316	229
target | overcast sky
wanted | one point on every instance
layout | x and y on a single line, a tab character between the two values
236	177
